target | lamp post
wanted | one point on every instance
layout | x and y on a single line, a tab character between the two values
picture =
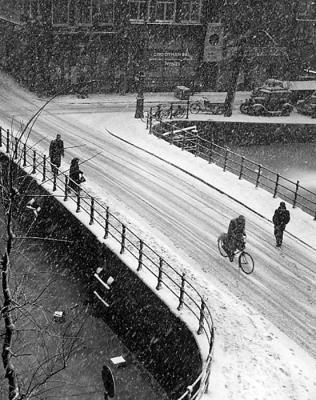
139	113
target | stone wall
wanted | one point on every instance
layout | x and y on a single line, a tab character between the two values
159	340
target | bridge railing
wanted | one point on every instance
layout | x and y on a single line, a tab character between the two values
167	277
261	176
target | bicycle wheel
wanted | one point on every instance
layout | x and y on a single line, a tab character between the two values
164	114
181	113
194	108
220	247
246	262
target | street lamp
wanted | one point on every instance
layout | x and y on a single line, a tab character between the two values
139	113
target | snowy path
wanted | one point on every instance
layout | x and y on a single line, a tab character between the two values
182	217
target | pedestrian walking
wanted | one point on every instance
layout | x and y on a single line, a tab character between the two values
280	219
75	175
56	151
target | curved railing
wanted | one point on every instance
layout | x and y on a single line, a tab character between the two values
168	277
188	139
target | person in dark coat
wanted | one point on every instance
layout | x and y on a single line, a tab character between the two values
235	236
75	175
56	151
280	219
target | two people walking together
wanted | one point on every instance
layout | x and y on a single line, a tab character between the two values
56	152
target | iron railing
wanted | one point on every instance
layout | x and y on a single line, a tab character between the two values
188	139
167	277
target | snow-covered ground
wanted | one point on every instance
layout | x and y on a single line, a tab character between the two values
265	323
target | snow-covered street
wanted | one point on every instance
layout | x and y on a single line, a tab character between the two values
265	345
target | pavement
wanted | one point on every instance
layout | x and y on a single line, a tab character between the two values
116	102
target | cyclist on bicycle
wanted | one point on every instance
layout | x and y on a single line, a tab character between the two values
235	236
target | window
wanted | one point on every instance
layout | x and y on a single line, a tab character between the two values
34	10
83	14
165	10
60	12
137	9
191	10
103	11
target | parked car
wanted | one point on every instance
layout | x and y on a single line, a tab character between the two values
307	106
272	99
182	92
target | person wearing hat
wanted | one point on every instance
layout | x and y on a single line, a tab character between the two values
280	219
56	151
235	236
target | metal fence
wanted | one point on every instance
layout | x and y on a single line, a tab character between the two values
188	139
167	277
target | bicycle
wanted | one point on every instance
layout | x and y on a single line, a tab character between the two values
245	260
177	112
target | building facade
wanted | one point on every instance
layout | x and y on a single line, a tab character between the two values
170	42
113	42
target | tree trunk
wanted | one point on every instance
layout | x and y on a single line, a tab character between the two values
232	85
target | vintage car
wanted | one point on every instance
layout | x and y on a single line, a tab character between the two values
307	106
182	92
273	99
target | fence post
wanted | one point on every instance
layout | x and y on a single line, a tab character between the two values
78	200
202	318
197	148
44	168
106	228
66	188
123	239
258	175
296	193
181	292
140	255
225	160
159	112
188	108
91	211
172	134
147	120
15	153
34	162
8	141
171	110
55	182
276	185
183	140
150	121
241	167
189	394
0	136
158	287
24	155
210	152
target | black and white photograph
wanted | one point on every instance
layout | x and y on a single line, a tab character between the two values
158	199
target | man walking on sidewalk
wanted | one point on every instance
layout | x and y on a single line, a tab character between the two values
56	151
280	219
